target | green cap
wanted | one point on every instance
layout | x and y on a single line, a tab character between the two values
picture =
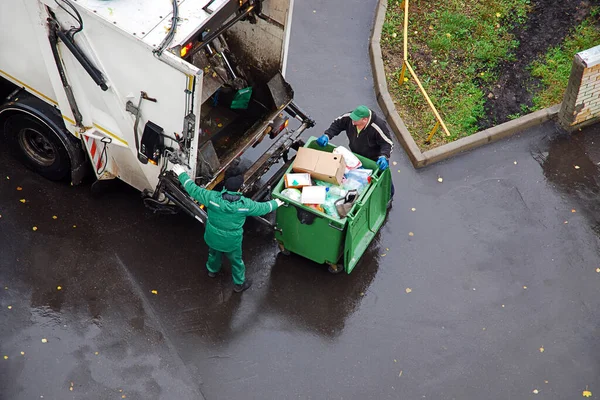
360	112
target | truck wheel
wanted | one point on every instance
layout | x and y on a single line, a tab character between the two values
38	146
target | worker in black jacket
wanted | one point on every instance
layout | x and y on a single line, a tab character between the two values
369	135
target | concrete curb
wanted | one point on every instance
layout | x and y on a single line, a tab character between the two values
418	158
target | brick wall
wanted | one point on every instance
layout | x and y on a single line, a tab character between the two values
581	104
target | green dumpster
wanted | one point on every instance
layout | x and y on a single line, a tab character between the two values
328	240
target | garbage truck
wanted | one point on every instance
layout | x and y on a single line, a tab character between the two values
125	89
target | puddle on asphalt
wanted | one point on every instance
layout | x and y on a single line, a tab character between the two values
571	165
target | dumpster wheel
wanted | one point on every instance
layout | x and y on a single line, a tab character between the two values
335	268
283	250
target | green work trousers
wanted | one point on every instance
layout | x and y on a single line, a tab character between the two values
238	269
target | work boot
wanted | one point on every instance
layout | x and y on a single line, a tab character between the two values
240	288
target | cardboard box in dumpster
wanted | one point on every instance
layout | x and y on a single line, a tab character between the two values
297	181
320	165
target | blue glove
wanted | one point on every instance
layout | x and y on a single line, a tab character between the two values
323	140
382	163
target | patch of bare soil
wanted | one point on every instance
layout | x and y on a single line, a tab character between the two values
547	25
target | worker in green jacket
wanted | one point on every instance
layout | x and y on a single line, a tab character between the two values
227	211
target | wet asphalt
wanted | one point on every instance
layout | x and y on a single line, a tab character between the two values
493	296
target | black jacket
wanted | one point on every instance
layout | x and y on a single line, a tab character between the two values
372	142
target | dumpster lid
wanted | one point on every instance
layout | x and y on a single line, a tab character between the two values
365	220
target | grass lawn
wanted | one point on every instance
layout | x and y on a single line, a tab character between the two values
459	48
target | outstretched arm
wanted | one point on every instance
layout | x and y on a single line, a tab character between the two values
256	209
196	192
339	124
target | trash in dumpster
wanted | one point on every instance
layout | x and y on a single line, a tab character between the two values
352	162
344	205
296	181
315	206
314	194
321	165
292	194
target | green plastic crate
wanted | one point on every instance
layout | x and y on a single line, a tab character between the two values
328	240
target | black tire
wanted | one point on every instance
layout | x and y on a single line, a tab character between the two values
38	146
335	268
283	250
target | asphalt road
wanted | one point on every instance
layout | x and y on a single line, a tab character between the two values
501	269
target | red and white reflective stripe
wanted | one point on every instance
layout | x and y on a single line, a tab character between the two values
95	152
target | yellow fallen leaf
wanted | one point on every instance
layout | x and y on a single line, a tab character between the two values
8	177
44	340
524	287
576	166
96	353
587	393
394	34
566	222
405	79
413	209
74	226
448	35
400	374
398	170
71	388
34	228
362	293
123	396
22	200
535	391
54	217
395	360
59	288
573	211
22	353
383	255
10	307
545	381
502	305
498	15
219	125
541	349
155	292
440	179
411	234
395	163
19	188
386	249
514	162
598	270
408	290
6	357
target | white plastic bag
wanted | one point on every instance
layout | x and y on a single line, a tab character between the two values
352	162
293	194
